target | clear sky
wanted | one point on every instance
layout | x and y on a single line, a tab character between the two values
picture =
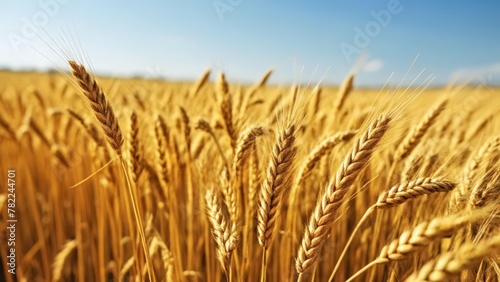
302	40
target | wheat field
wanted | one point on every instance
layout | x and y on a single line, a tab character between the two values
149	180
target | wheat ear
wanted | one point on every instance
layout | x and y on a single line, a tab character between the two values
426	232
245	142
422	235
100	106
205	126
485	191
231	199
135	157
220	229
278	179
408	190
321	221
187	128
398	195
162	139
104	114
226	107
452	263
279	174
253	181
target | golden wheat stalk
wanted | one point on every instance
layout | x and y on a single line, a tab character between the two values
454	262
415	239
100	106
205	126
408	190
279	176
231	200
135	157
105	115
245	142
425	233
278	179
226	107
220	228
325	212
485	190
187	128
161	131
398	195
254	181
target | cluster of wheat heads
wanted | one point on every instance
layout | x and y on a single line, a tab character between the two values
220	182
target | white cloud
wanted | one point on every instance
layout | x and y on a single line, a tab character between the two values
373	66
488	74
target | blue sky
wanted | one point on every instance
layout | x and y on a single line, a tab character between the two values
303	41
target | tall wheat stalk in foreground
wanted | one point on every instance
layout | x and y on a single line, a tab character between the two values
109	124
279	179
326	209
